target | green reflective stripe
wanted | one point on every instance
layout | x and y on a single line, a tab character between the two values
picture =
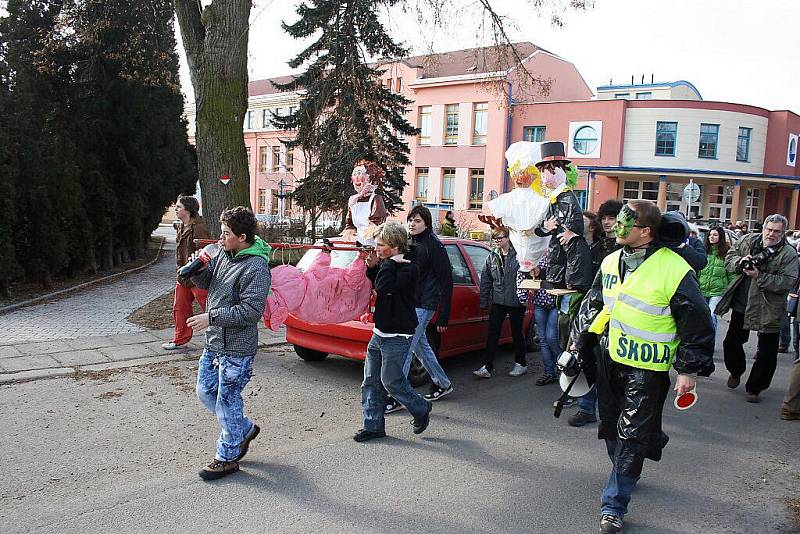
643	306
642	334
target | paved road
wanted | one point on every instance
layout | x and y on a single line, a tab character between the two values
99	311
118	452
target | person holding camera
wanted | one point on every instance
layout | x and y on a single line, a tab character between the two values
767	270
644	315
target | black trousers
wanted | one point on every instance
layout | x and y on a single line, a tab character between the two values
497	315
735	359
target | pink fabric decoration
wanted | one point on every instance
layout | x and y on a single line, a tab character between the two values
319	295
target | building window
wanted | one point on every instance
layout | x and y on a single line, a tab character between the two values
585	141
276	159
398	88
265	118
480	121
709	133
534	134
249	120
263	165
644	190
425	125
622	96
273	205
752	205
475	189
666	135
262	200
451	122
247	150
421	191
448	186
743	144
646	95
289	160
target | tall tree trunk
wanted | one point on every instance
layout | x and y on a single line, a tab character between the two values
216	49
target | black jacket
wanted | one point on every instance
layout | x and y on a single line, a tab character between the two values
435	288
570	265
396	286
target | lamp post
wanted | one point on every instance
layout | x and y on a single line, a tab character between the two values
281	195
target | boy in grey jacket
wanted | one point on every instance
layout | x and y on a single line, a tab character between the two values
238	280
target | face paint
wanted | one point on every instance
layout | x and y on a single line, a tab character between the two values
359	177
626	218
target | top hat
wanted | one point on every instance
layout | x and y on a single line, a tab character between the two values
553	151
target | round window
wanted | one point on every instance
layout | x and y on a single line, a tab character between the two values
792	150
585	140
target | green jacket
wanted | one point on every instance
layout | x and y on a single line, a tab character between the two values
766	297
714	279
448	229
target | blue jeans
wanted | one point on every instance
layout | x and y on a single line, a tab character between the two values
547	328
786	331
618	489
424	352
588	402
383	371
219	388
712	303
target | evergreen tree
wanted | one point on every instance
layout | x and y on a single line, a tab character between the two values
346	114
8	177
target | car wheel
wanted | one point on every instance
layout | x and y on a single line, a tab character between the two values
310	355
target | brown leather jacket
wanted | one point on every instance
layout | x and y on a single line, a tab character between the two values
184	239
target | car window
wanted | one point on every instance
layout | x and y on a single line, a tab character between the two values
461	275
478	256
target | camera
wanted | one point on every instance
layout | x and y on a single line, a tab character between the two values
758	259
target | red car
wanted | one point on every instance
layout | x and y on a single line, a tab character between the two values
467	328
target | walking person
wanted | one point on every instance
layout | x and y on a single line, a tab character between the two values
238	280
395	281
545	315
434	292
499	290
190	227
767	270
646	307
714	278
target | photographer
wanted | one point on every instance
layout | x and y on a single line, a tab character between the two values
767	270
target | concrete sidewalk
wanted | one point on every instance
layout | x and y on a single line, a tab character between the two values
42	359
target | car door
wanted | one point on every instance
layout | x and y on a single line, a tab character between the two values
479	319
463	306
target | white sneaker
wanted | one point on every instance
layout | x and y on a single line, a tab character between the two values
518	370
171	346
483	372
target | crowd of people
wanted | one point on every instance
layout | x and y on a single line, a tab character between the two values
629	292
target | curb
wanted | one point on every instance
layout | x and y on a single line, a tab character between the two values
60	372
18	305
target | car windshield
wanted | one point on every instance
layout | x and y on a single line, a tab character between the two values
339	259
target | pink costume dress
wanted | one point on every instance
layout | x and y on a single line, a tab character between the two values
320	295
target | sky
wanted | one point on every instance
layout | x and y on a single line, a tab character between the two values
742	51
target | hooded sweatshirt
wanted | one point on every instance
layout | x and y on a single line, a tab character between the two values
237	290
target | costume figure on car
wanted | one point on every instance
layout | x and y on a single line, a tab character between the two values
523	208
366	209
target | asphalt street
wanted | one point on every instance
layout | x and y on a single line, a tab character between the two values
118	451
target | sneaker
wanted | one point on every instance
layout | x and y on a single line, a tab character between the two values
392	406
788	415
581	418
419	425
546	379
483	372
171	345
245	444
733	382
437	392
366	435
753	397
518	370
218	469
610	523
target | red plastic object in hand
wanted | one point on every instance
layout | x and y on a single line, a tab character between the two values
686	401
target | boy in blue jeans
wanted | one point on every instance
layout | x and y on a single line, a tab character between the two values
237	279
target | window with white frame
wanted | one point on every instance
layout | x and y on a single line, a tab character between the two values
475	189
644	190
265	119
622	96
276	159
249	120
752	206
534	134
247	150
262	200
273	205
585	140
448	185
421	189
425	125
644	95
289	160
263	157
480	118
451	124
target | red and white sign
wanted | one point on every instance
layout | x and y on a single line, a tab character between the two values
687	400
224	179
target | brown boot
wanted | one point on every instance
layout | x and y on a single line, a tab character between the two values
789	415
218	469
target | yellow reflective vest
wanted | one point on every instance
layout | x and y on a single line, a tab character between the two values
641	329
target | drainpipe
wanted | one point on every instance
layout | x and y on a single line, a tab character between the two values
508	138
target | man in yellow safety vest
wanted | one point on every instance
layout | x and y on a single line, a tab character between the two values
646	311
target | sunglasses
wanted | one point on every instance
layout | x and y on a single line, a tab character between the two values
499	237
